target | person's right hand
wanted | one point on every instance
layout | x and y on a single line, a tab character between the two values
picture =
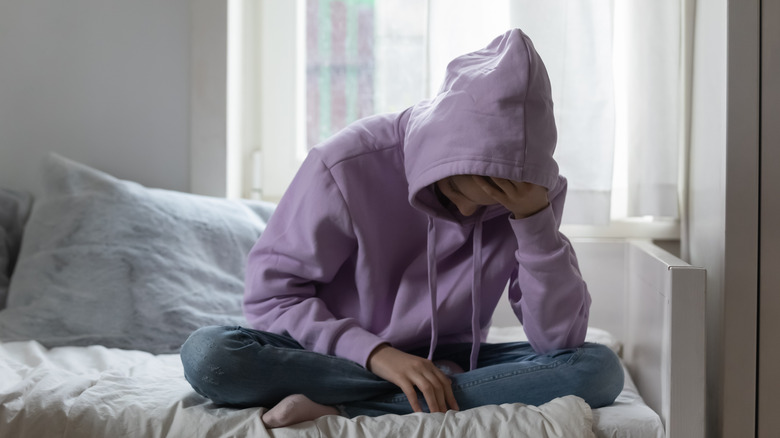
410	372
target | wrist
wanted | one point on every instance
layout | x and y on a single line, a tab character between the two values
372	355
538	233
522	214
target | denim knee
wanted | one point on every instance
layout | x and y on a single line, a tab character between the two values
206	359
602	377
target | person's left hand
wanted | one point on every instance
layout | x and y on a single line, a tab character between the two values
523	199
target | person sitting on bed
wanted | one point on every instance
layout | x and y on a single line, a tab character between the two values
372	288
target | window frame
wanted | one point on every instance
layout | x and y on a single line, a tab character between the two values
266	119
262	116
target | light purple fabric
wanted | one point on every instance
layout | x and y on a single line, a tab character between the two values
343	265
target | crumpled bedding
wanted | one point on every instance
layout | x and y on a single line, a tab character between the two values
94	391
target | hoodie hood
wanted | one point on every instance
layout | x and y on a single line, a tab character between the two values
493	116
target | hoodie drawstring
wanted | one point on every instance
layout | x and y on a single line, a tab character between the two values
432	281
476	290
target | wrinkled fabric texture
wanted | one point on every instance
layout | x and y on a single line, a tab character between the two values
86	392
360	250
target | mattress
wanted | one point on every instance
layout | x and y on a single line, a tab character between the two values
96	392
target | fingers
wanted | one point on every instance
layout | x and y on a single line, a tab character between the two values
521	198
438	399
502	190
433	385
409	372
431	393
449	396
510	187
489	186
502	186
411	395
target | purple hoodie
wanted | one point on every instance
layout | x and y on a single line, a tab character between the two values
360	250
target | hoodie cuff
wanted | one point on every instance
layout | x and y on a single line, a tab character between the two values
356	344
537	233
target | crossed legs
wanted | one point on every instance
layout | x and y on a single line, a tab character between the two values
241	367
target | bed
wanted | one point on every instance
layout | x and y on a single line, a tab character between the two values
102	279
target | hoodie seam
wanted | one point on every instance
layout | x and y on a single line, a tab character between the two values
480	158
399	129
402	125
357	155
340	192
525	100
343	201
472	158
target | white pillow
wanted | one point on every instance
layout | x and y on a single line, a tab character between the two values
110	262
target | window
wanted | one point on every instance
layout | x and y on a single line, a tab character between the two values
307	68
348	46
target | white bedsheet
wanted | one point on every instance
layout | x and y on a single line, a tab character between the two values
99	392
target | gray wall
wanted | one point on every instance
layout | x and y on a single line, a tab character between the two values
105	82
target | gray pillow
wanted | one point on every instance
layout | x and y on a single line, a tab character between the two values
110	262
14	208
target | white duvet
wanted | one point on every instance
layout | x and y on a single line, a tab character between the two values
84	392
99	392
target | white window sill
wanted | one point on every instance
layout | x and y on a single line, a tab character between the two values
640	228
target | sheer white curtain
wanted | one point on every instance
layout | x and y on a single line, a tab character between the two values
616	70
575	40
651	102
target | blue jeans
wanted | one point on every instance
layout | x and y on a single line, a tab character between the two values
240	367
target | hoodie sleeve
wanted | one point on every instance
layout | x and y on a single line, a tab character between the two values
307	240
547	291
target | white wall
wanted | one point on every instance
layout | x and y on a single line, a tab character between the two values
105	82
723	204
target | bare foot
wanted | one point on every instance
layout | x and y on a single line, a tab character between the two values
295	409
